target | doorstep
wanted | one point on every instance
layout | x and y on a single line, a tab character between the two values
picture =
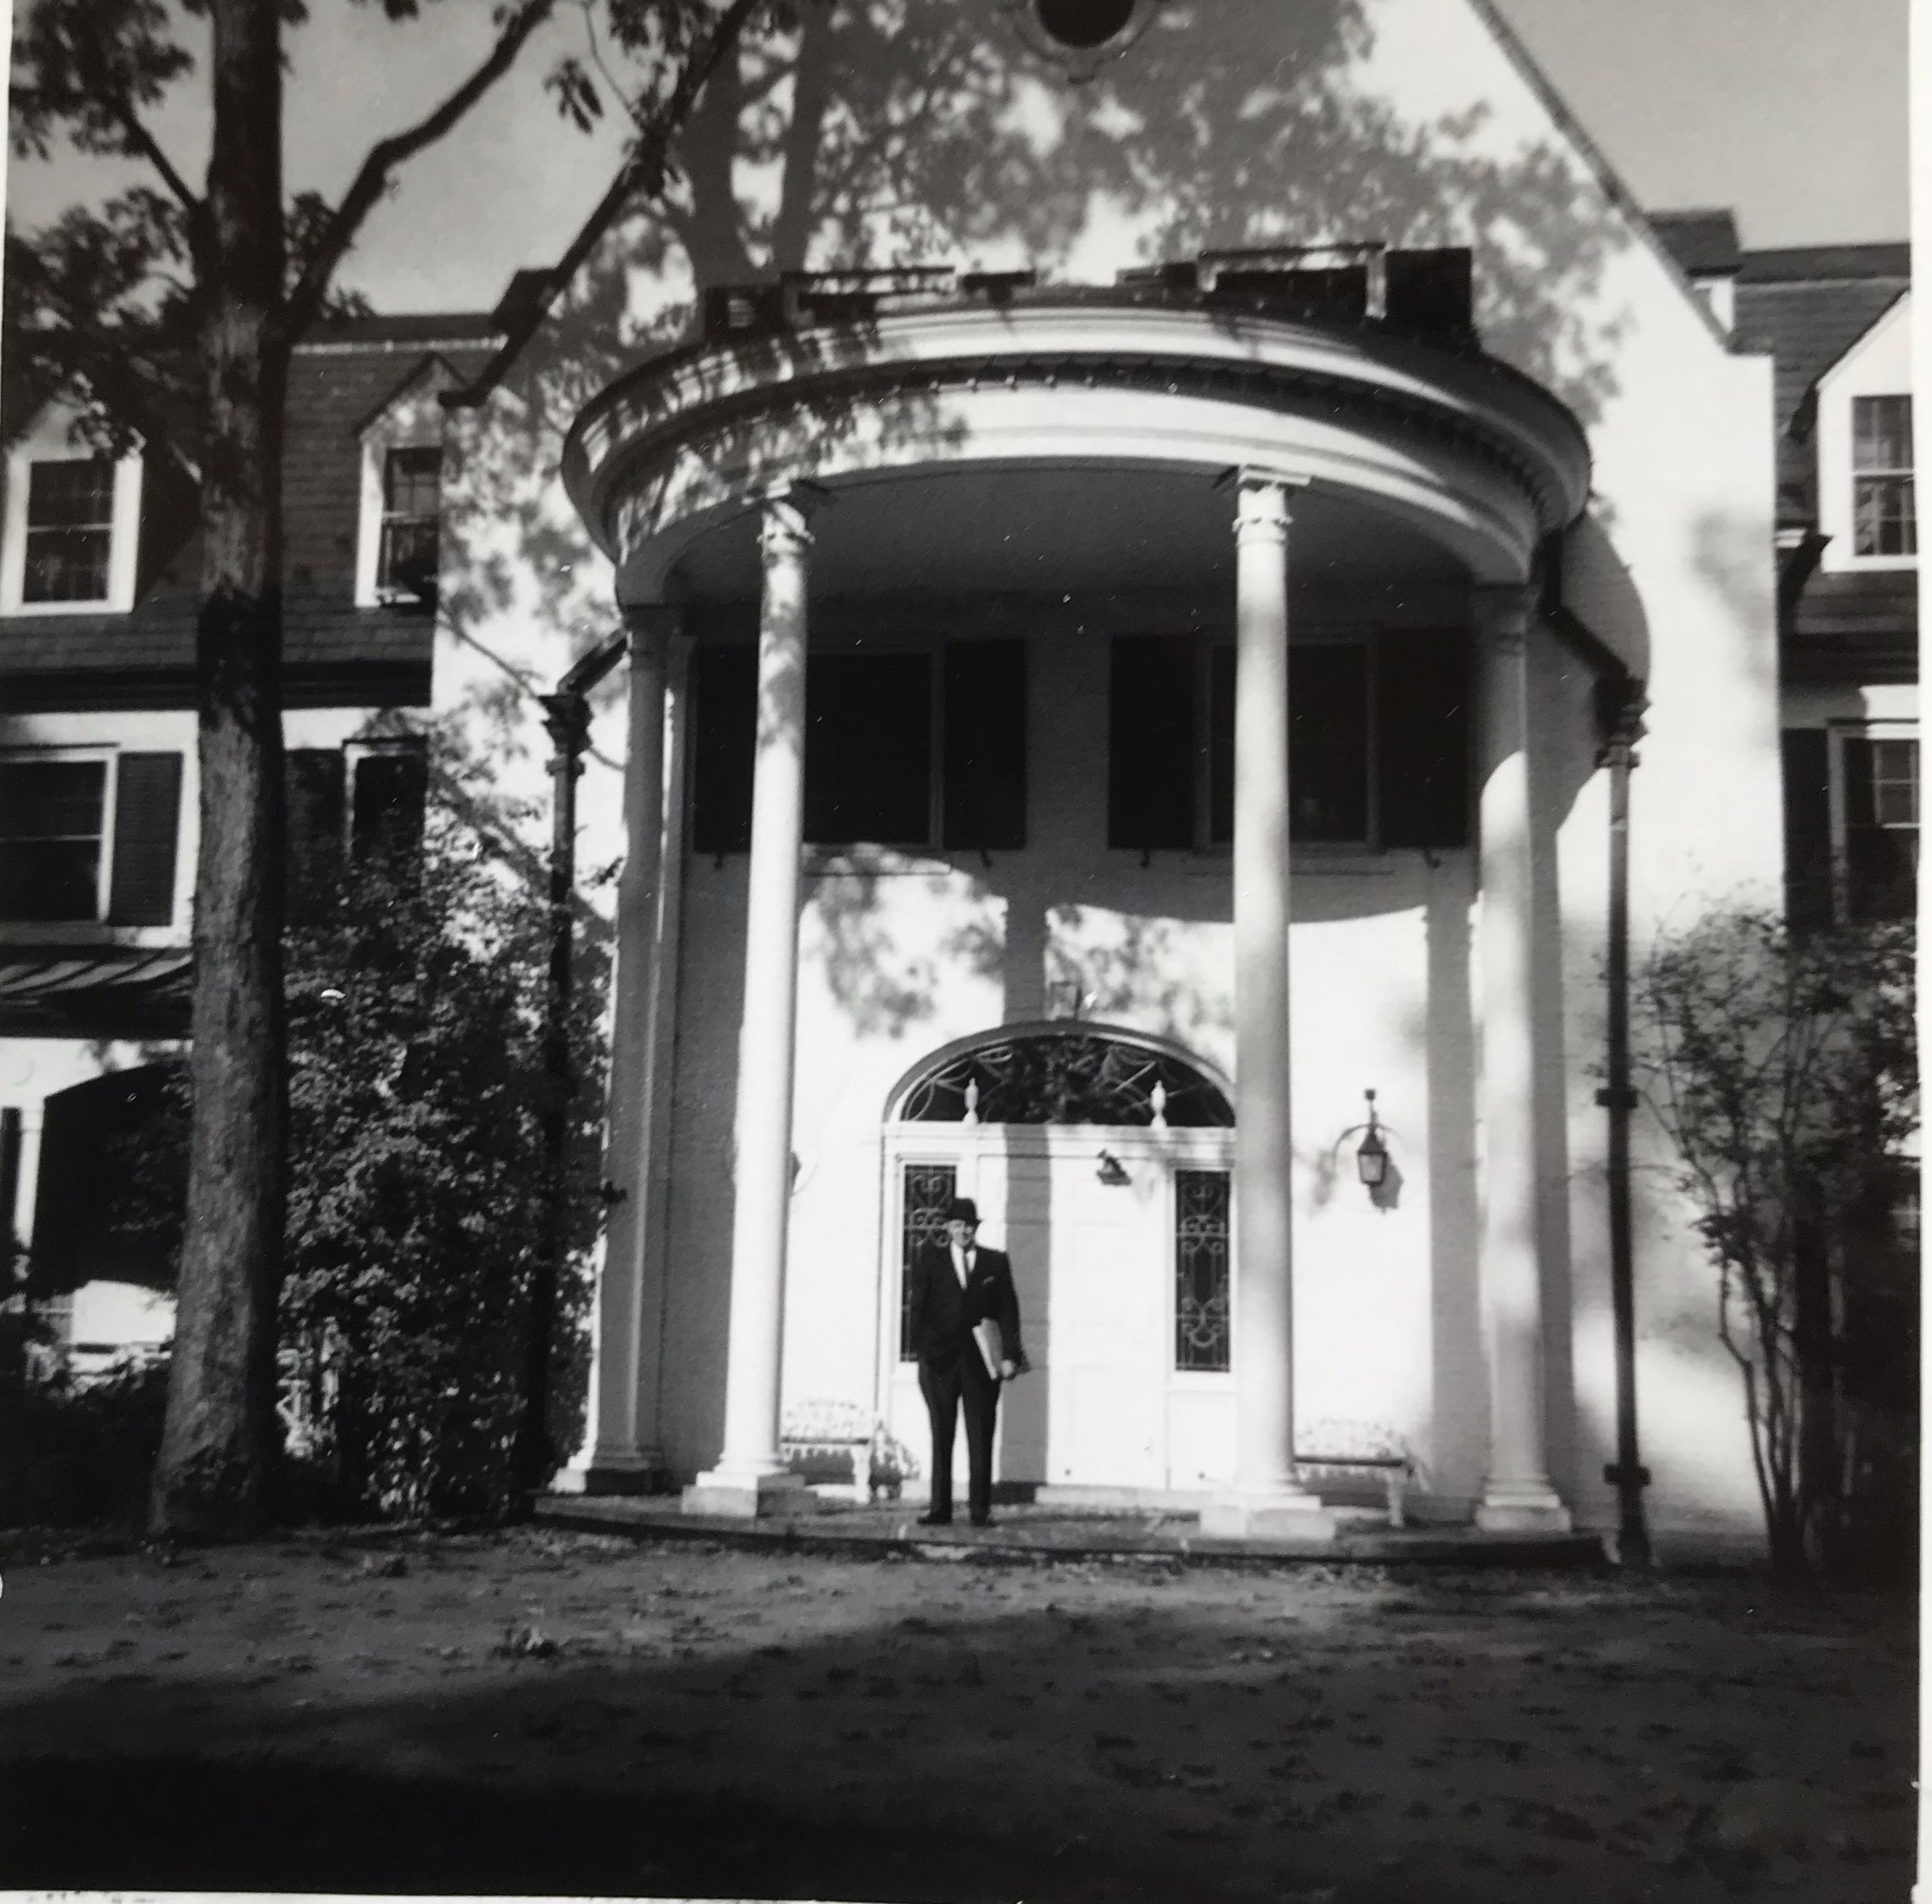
1044	1532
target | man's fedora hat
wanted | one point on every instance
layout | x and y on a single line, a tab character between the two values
962	1209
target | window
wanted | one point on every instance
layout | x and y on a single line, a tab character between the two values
345	807
926	1192
84	840
52	814
1378	742
1851	825
406	564
1082	24
1881	783
70	530
914	747
1203	1339
1884	517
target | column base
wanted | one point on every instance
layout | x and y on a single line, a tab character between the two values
612	1471
1521	1507
1275	1514
749	1493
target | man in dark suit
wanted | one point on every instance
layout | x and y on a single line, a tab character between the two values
966	1333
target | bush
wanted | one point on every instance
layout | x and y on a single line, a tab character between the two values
78	1455
1784	1068
417	1171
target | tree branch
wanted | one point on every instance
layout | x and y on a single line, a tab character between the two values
141	143
148	147
372	181
105	363
643	172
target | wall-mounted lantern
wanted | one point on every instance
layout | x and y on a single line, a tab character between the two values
1371	1157
1112	1171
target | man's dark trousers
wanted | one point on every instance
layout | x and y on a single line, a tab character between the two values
948	1387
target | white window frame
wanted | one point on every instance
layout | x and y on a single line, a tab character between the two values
49	443
103	875
413	420
1837	733
1879	364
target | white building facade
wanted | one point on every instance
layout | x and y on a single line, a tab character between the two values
1126	589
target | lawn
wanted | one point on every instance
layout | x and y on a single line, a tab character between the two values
548	1712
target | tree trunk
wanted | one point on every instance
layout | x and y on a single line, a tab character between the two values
221	1444
1819	1503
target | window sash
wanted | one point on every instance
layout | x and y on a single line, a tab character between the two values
1879	839
1170	743
1884	512
52	840
1882	435
71	492
409	552
1885	515
70	530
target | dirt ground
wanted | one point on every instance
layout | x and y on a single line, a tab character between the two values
558	1713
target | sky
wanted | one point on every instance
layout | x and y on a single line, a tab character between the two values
1792	113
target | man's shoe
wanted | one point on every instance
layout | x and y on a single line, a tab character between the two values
983	1520
935	1520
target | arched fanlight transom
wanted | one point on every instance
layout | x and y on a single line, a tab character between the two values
1076	1076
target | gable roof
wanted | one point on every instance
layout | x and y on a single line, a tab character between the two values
1704	242
1809	305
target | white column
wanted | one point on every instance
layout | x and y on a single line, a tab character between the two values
1517	1494
1266	1499
619	1455
749	1480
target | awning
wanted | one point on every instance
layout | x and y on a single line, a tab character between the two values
112	992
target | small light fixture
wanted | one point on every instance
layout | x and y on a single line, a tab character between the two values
1371	1157
1112	1171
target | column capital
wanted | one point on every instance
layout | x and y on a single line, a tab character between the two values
1261	502
651	626
786	512
1502	612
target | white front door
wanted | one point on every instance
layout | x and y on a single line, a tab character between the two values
1109	1229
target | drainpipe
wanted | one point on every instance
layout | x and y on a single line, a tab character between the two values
534	1458
1621	704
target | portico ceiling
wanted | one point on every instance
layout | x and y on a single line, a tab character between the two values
1050	530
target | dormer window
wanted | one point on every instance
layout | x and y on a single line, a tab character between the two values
72	525
411	508
70	530
1883	504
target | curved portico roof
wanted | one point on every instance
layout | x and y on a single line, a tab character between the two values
1476	455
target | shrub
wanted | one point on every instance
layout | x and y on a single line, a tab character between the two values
1783	1068
78	1454
417	1172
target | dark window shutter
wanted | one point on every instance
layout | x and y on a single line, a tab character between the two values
1328	742
386	817
1151	742
869	750
147	821
1423	691
1807	827
723	747
314	777
111	1192
986	767
1221	746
